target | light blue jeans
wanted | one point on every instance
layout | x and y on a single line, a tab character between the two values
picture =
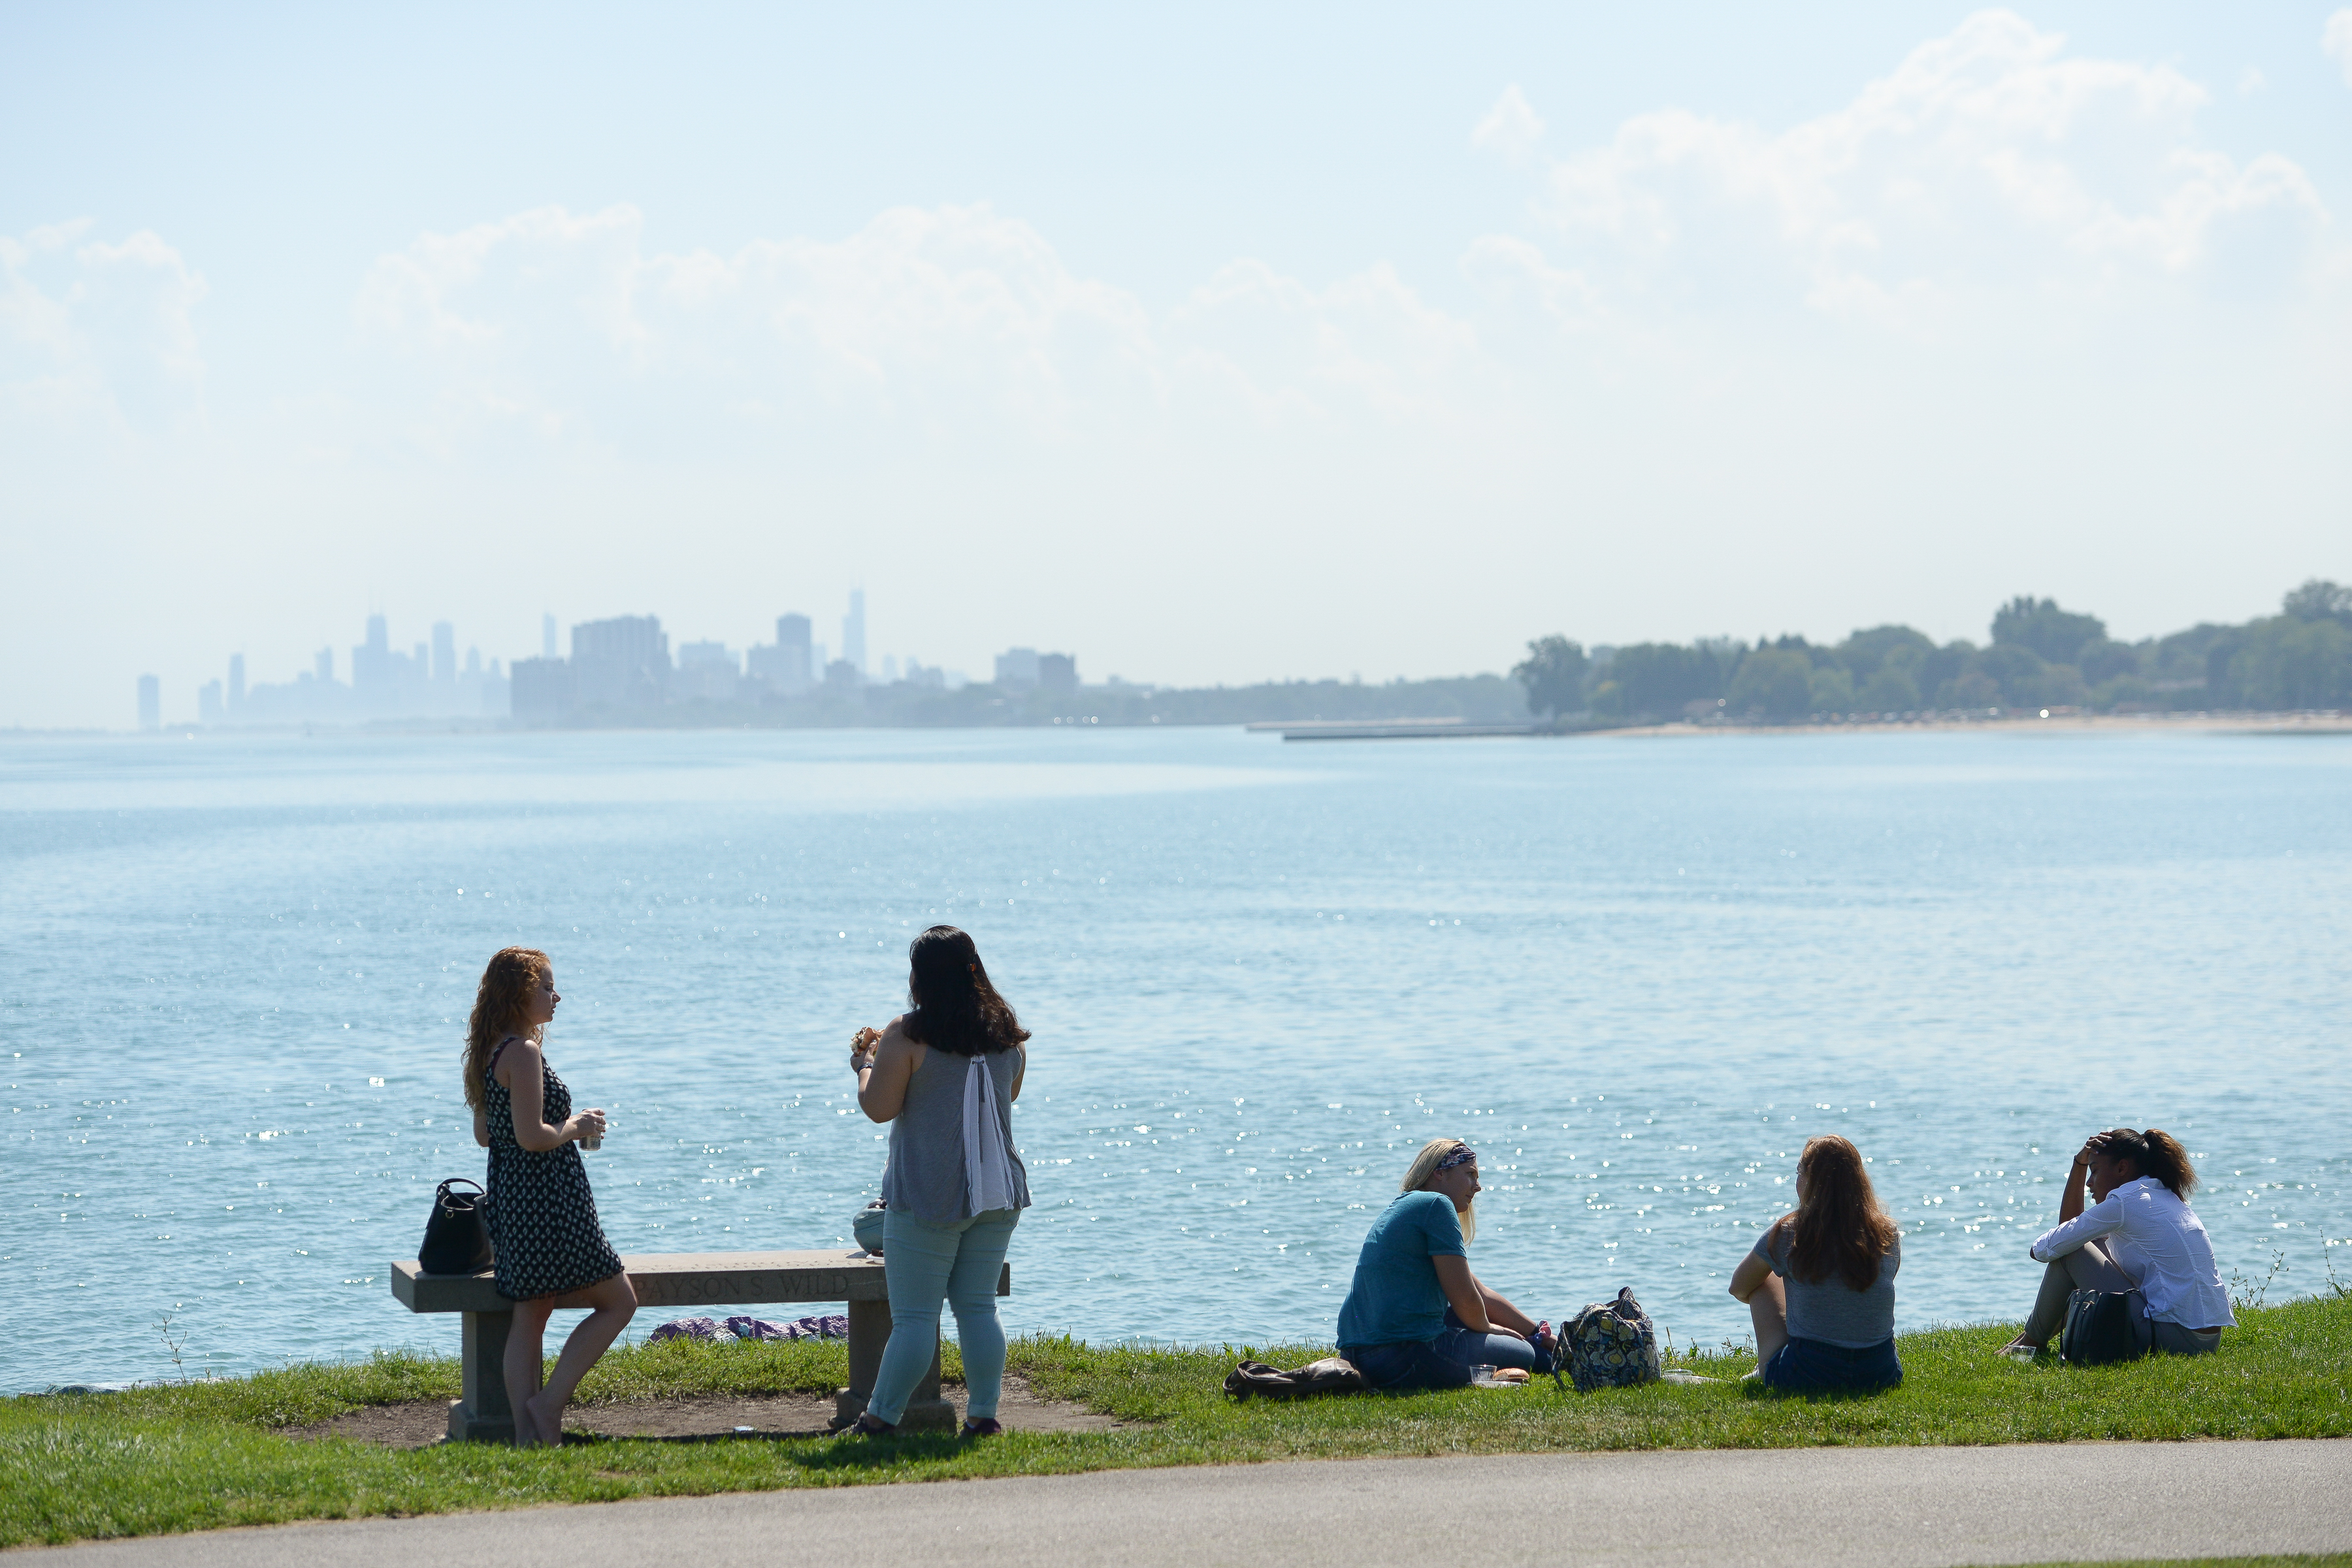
923	1263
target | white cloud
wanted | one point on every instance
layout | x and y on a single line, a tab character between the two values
1988	162
1511	128
97	327
1990	185
525	315
2336	41
956	319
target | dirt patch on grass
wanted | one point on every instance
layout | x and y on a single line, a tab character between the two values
418	1423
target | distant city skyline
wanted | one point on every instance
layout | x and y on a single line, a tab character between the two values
613	662
380	681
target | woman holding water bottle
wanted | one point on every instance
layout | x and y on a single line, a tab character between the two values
551	1249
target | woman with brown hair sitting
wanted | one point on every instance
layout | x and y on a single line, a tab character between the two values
2138	1234
1820	1284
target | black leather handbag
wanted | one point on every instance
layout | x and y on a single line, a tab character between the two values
457	1235
2100	1327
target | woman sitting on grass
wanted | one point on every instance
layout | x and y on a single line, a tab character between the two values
549	1249
2138	1234
1415	1316
1819	1285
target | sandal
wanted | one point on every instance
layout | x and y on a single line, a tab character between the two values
868	1425
986	1427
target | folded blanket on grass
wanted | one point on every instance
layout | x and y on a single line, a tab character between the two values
834	1326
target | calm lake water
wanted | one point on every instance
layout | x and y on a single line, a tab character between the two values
1635	974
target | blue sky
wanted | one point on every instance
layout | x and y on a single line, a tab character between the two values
1213	343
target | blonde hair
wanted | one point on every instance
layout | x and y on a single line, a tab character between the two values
514	972
1424	1166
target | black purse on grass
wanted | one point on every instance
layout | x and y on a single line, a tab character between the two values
457	1235
2100	1328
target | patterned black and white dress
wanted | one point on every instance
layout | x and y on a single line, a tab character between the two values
542	1216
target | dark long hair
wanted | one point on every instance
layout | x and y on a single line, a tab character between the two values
2158	1154
1838	1226
955	1008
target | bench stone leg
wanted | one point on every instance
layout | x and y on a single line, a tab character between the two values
484	1415
870	1331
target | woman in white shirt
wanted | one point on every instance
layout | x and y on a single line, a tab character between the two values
2138	1234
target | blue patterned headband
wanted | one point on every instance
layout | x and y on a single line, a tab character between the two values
1462	1156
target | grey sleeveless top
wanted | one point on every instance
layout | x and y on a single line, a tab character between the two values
926	1177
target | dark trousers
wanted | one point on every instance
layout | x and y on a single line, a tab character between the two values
1443	1362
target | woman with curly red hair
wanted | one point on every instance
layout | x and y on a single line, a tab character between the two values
550	1247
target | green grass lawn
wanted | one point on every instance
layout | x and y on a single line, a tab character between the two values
198	1456
2322	1559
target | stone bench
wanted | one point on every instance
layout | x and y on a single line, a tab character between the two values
666	1280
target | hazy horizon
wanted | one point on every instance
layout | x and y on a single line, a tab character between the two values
1213	347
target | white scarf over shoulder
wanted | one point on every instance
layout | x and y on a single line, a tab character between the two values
987	1163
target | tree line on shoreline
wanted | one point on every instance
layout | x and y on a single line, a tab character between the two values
2040	657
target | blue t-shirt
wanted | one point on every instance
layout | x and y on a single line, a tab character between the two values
1395	1296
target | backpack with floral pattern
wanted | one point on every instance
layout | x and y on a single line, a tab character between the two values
1610	1344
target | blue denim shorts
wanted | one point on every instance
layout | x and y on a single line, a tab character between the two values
1809	1366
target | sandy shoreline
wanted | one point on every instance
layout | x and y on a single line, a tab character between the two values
2067	724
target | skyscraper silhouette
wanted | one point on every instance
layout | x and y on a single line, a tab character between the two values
852	631
788	669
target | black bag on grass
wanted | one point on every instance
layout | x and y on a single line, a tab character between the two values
1332	1374
2100	1328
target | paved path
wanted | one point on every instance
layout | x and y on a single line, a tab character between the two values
1809	1507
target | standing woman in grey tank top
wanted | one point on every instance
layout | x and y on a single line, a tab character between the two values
944	1076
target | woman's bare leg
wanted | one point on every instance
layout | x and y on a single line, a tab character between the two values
525	1342
612	1304
1767	1309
